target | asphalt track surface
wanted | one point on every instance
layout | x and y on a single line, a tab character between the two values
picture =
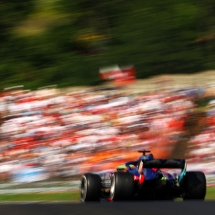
109	208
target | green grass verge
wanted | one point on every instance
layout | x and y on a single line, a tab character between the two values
66	196
210	193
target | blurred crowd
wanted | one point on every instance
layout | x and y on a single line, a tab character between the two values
61	135
201	147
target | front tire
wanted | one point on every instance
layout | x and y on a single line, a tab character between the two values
122	186
90	187
195	186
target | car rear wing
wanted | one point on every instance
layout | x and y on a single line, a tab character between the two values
165	163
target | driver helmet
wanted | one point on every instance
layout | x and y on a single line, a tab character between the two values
146	157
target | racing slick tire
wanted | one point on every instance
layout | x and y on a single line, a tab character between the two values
195	186
90	187
122	186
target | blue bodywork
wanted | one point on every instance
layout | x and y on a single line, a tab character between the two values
155	179
155	167
149	178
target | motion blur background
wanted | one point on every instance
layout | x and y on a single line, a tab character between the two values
59	119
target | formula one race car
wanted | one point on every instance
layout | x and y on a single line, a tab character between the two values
144	179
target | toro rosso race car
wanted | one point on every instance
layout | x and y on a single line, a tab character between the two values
144	179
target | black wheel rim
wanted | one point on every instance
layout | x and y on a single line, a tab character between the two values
112	188
83	189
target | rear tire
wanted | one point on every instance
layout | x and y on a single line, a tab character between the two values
90	187
195	186
122	186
